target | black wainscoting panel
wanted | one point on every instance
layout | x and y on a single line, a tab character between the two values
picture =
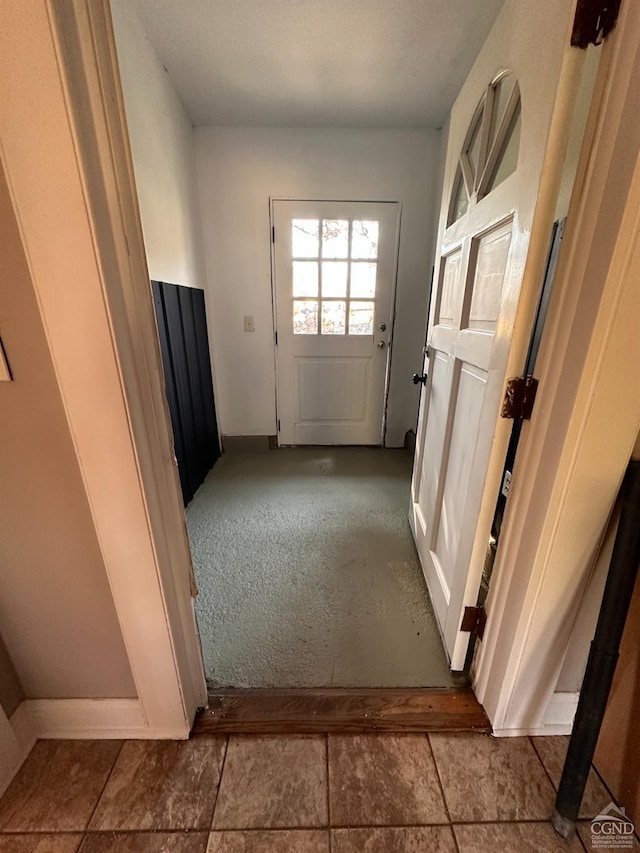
182	330
204	360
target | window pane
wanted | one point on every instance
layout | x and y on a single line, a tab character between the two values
334	278
508	159
304	238
364	239
335	238
363	280
361	318
305	278
473	148
333	318
305	317
502	91
459	199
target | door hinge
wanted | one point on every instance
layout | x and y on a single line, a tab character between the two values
275	335
278	424
474	621
519	397
593	21
273	233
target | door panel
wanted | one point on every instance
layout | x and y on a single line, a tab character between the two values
462	398
492	204
334	271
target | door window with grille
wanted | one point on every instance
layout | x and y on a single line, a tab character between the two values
334	272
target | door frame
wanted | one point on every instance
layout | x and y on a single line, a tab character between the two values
394	291
587	370
79	223
71	47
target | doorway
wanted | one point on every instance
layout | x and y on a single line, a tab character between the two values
334	267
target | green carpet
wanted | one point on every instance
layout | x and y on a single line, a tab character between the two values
308	575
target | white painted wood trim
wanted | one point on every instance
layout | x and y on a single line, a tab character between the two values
558	718
80	225
82	719
561	712
574	451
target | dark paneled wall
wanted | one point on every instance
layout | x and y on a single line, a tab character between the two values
182	330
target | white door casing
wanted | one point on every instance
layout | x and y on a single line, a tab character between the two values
491	191
334	276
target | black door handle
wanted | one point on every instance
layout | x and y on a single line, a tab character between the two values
417	378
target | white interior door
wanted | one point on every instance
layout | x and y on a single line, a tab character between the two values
334	269
476	289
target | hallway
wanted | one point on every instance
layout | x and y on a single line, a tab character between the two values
308	575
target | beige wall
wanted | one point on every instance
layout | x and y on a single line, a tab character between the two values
56	609
11	693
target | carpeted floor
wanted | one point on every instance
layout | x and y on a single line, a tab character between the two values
308	575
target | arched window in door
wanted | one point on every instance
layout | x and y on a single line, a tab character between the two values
490	150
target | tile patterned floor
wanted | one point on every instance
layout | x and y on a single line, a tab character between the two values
406	793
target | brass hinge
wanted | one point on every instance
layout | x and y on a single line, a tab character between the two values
474	621
593	21
519	397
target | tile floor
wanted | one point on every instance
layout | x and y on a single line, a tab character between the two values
406	793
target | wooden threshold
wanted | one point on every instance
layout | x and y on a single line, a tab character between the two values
235	711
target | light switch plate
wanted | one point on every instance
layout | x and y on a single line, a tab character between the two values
249	323
5	373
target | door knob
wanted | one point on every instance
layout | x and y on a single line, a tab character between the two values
417	378
380	344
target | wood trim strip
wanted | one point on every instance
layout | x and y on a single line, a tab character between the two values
236	711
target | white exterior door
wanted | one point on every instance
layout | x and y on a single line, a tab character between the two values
489	202
334	270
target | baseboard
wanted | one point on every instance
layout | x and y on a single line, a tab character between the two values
558	718
248	443
100	719
561	712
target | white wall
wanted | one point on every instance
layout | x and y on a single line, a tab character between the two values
161	140
239	169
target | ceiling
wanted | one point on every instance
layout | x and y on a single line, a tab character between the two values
318	63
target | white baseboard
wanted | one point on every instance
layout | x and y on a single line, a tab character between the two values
561	712
92	719
558	718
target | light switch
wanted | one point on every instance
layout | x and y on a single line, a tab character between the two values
5	373
249	323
